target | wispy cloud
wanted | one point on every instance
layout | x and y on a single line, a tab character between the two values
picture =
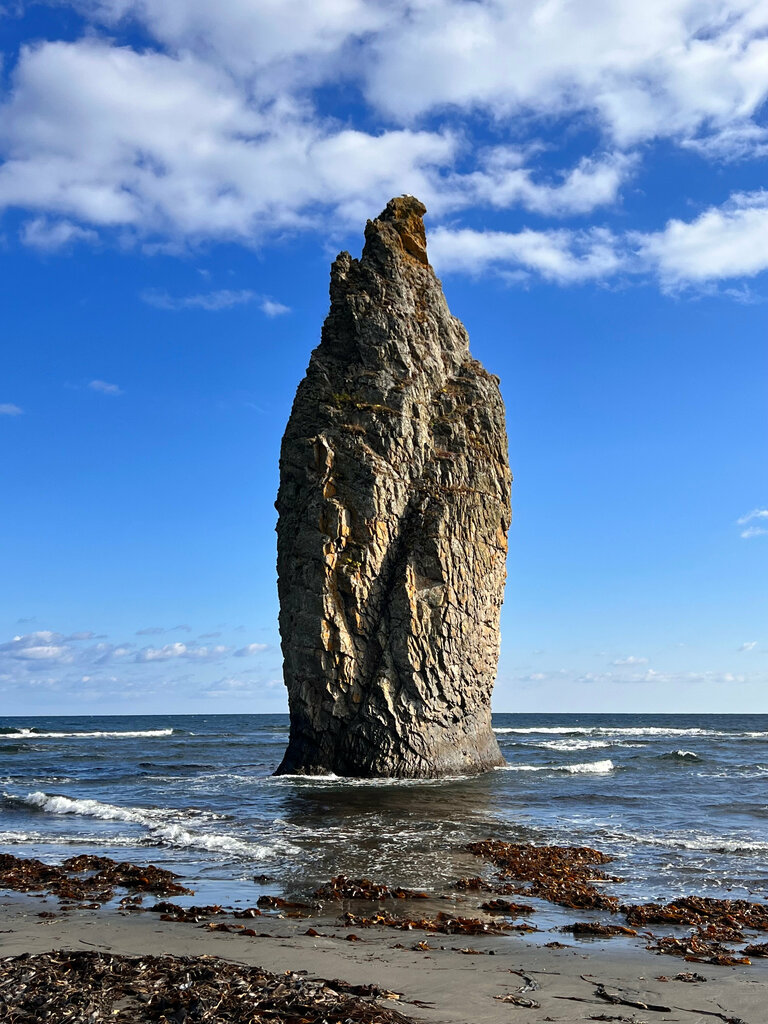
244	652
753	531
271	308
631	659
750	645
9	409
105	388
49	235
213	302
180	650
757	515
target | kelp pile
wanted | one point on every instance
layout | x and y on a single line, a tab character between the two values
698	950
701	910
343	888
558	874
595	929
447	924
564	875
82	987
507	907
86	878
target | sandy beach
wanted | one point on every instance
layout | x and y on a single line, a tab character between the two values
442	983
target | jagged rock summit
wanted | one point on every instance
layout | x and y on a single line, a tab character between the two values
394	507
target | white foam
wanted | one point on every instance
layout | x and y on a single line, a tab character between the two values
702	841
155	820
341	780
573	745
575	730
586	768
127	735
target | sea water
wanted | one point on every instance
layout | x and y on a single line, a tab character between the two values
681	802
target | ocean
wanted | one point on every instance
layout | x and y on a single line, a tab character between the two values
679	800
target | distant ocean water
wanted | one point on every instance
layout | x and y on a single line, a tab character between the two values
680	800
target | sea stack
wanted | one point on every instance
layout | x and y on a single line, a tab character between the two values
394	508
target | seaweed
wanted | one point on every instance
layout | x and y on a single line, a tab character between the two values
343	888
84	986
559	874
69	880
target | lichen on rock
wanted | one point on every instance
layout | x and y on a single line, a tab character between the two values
394	508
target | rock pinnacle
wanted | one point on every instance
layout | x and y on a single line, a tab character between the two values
394	507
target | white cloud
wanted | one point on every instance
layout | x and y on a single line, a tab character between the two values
42	653
214	301
9	409
753	531
41	646
722	242
558	255
216	128
105	388
290	38
503	181
173	146
165	653
211	301
233	686
679	68
631	659
750	645
180	650
49	235
271	308
756	513
243	652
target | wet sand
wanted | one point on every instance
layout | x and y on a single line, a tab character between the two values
441	984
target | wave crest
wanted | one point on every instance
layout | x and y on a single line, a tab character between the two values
585	768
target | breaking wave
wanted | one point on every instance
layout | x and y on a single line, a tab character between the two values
129	735
599	730
161	830
587	768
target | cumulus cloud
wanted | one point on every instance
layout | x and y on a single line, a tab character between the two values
218	128
105	388
567	257
505	181
631	659
723	242
673	68
9	409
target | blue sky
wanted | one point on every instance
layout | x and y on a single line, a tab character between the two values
175	178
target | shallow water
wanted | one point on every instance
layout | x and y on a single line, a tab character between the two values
679	800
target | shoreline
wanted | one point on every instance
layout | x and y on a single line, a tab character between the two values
441	978
459	988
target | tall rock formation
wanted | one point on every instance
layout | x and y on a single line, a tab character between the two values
394	507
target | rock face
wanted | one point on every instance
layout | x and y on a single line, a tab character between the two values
394	507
